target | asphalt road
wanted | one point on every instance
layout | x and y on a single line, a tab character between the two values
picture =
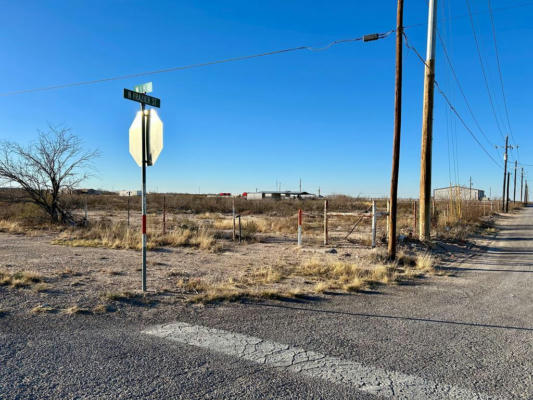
465	336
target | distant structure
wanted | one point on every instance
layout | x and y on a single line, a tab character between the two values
458	192
278	195
87	191
129	192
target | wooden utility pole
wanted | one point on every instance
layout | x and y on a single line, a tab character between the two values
427	126
522	185
514	192
397	134
504	170
507	197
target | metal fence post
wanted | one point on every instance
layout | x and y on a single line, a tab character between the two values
164	216
388	219
233	212
373	223
299	227
240	230
325	222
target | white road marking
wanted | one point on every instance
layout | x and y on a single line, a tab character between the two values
372	380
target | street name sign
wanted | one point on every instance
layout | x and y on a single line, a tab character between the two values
144	88
142	98
154	137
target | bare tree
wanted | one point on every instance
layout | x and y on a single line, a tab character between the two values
55	163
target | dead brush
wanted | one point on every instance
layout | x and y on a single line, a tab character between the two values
43	309
425	262
267	275
119	236
119	296
332	274
7	226
196	285
76	310
20	279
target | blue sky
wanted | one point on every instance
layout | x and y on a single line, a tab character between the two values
324	116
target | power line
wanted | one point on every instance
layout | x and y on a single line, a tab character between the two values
500	73
198	65
448	59
451	106
451	18
483	68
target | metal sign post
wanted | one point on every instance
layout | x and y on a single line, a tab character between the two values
150	147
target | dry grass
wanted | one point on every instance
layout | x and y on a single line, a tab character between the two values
425	263
313	276
102	308
41	287
11	227
43	309
21	279
76	310
119	236
119	296
259	224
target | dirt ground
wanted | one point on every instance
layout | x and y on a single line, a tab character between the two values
93	278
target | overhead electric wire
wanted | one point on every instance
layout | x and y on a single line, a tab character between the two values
483	69
452	69
190	66
526	4
501	76
450	105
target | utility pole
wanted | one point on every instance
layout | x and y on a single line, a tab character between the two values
470	188
522	185
427	126
391	246
514	193
507	200
507	146
300	185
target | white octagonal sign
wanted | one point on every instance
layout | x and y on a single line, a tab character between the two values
154	138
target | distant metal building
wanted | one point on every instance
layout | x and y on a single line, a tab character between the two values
129	192
277	195
458	192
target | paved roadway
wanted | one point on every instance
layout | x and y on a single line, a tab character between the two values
467	336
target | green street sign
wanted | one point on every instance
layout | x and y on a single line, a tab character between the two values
143	88
142	98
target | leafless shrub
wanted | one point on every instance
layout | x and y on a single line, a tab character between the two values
54	163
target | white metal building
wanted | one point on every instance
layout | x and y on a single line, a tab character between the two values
458	192
129	192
